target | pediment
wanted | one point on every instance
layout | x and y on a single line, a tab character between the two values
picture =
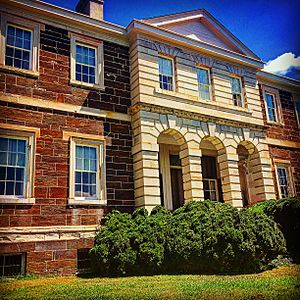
201	26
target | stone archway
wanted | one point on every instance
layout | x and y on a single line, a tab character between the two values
250	173
171	144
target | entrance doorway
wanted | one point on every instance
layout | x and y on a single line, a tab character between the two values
176	181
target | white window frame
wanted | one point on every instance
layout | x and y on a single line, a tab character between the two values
100	180
22	266
35	28
216	185
209	81
242	90
27	198
297	114
173	69
287	166
99	72
274	92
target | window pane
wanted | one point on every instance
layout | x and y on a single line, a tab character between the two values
19	52
165	66
235	85
203	76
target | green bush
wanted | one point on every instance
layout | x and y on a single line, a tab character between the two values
285	212
200	237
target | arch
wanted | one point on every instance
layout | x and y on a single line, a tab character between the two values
250	173
172	146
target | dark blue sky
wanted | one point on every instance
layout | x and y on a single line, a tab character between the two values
269	28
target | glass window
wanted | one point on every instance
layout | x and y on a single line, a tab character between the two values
284	182
13	166
12	265
204	83
297	106
271	107
85	64
166	74
210	187
236	89
86	171
18	50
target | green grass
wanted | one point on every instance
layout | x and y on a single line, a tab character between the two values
281	283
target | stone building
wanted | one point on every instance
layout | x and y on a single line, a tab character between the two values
96	116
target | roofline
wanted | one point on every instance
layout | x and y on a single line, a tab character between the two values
231	37
188	42
278	79
40	6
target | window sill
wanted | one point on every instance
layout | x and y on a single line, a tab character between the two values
18	71
96	202
86	85
16	201
198	100
271	123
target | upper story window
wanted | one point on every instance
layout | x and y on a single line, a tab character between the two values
237	91
271	107
166	73
204	83
297	107
16	167
87	179
86	62
86	67
19	50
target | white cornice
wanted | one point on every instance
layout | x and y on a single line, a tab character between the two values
175	38
52	13
266	77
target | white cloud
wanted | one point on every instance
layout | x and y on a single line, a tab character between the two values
283	63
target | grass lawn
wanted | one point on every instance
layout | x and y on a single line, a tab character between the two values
281	283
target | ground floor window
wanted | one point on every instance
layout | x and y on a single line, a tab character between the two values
211	182
12	264
284	180
83	261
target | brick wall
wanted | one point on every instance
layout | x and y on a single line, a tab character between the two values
290	132
51	178
54	69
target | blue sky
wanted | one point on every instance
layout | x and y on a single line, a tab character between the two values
269	28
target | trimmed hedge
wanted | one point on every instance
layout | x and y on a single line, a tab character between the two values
200	237
285	212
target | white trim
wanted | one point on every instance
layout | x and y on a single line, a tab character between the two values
242	89
172	59
278	110
100	177
297	114
29	177
209	81
35	42
287	166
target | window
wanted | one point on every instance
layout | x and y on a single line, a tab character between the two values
16	168
12	264
297	107
20	46
271	107
13	162
87	172
86	68
204	85
284	180
86	62
18	51
83	261
166	73
210	178
210	187
236	89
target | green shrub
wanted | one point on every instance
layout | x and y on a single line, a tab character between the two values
285	212
200	237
